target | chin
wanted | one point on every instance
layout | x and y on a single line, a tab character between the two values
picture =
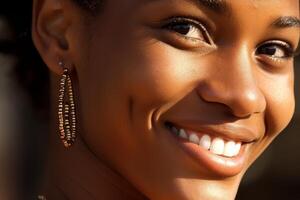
196	189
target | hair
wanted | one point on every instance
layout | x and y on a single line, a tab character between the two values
92	7
89	5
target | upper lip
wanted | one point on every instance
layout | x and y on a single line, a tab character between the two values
233	132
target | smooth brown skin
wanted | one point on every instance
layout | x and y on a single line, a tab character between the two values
131	75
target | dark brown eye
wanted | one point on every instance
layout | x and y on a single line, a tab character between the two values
188	28
275	49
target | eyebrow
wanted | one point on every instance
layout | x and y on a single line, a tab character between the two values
218	6
286	22
222	6
213	5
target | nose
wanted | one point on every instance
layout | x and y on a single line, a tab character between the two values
233	83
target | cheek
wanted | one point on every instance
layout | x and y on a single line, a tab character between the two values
280	104
148	75
161	75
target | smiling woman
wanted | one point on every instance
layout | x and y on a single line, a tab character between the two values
172	105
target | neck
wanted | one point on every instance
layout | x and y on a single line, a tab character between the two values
76	173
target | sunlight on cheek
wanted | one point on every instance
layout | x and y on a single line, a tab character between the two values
165	74
281	108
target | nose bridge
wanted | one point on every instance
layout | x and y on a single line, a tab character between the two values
234	84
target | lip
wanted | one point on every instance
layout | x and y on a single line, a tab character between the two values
216	164
233	132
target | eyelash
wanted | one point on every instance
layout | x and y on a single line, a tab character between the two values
286	47
167	25
179	20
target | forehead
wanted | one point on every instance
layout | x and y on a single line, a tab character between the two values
223	5
290	6
288	10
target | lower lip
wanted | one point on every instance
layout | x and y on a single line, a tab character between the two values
216	164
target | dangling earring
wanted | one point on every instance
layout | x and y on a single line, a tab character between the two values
66	109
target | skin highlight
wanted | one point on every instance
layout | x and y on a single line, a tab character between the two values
134	71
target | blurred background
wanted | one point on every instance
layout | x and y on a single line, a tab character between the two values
23	116
23	104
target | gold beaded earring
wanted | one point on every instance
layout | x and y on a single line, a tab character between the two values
66	109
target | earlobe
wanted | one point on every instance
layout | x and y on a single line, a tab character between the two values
49	28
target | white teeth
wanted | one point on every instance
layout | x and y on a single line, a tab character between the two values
194	138
217	146
205	142
182	134
230	149
237	148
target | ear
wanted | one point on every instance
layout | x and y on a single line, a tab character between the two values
50	25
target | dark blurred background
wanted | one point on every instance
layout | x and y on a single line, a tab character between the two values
23	116
23	104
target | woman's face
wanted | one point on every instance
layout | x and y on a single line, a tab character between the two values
181	96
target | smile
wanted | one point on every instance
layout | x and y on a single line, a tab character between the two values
215	145
223	154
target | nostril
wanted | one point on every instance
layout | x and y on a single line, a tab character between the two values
239	114
239	93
